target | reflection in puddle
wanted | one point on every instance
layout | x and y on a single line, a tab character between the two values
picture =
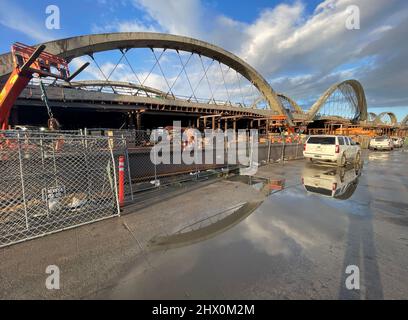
218	223
336	182
205	228
295	244
379	156
260	183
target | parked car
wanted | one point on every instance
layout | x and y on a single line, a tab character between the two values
338	149
381	143
398	142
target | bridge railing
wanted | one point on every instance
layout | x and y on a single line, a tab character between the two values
107	88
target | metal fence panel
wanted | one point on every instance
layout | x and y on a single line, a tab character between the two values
52	182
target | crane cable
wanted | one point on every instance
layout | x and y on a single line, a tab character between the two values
53	123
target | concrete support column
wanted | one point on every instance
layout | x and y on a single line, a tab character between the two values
138	120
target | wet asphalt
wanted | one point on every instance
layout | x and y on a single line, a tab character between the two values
288	233
296	244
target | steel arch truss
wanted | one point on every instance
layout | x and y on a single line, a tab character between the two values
345	99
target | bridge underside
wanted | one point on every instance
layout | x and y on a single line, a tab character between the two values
79	108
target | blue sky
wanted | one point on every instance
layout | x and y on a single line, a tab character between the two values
301	47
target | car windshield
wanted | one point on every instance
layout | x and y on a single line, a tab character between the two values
322	140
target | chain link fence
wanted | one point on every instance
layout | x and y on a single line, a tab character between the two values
49	183
142	174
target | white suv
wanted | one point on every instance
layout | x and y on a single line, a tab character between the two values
398	142
339	149
381	143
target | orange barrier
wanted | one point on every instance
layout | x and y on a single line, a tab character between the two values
121	189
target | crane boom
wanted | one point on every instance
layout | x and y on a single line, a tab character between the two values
29	61
9	94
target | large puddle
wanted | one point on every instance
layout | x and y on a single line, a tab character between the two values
264	249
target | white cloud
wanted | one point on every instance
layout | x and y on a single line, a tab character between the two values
300	52
286	41
182	17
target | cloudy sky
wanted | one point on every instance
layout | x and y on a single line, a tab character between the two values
301	47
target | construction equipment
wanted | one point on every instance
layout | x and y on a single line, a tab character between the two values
30	62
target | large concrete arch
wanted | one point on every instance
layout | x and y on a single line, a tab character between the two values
71	48
283	96
359	91
392	116
404	121
292	102
371	116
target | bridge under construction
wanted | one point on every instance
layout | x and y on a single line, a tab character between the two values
212	88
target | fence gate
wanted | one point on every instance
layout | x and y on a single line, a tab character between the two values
51	182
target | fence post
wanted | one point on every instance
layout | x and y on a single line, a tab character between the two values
128	168
115	181
20	158
156	184
121	188
269	151
283	152
43	167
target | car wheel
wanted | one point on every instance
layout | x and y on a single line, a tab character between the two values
342	161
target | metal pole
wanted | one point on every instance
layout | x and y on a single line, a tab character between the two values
128	168
155	170
43	167
283	151
22	179
115	182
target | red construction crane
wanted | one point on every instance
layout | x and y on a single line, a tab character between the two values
28	62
